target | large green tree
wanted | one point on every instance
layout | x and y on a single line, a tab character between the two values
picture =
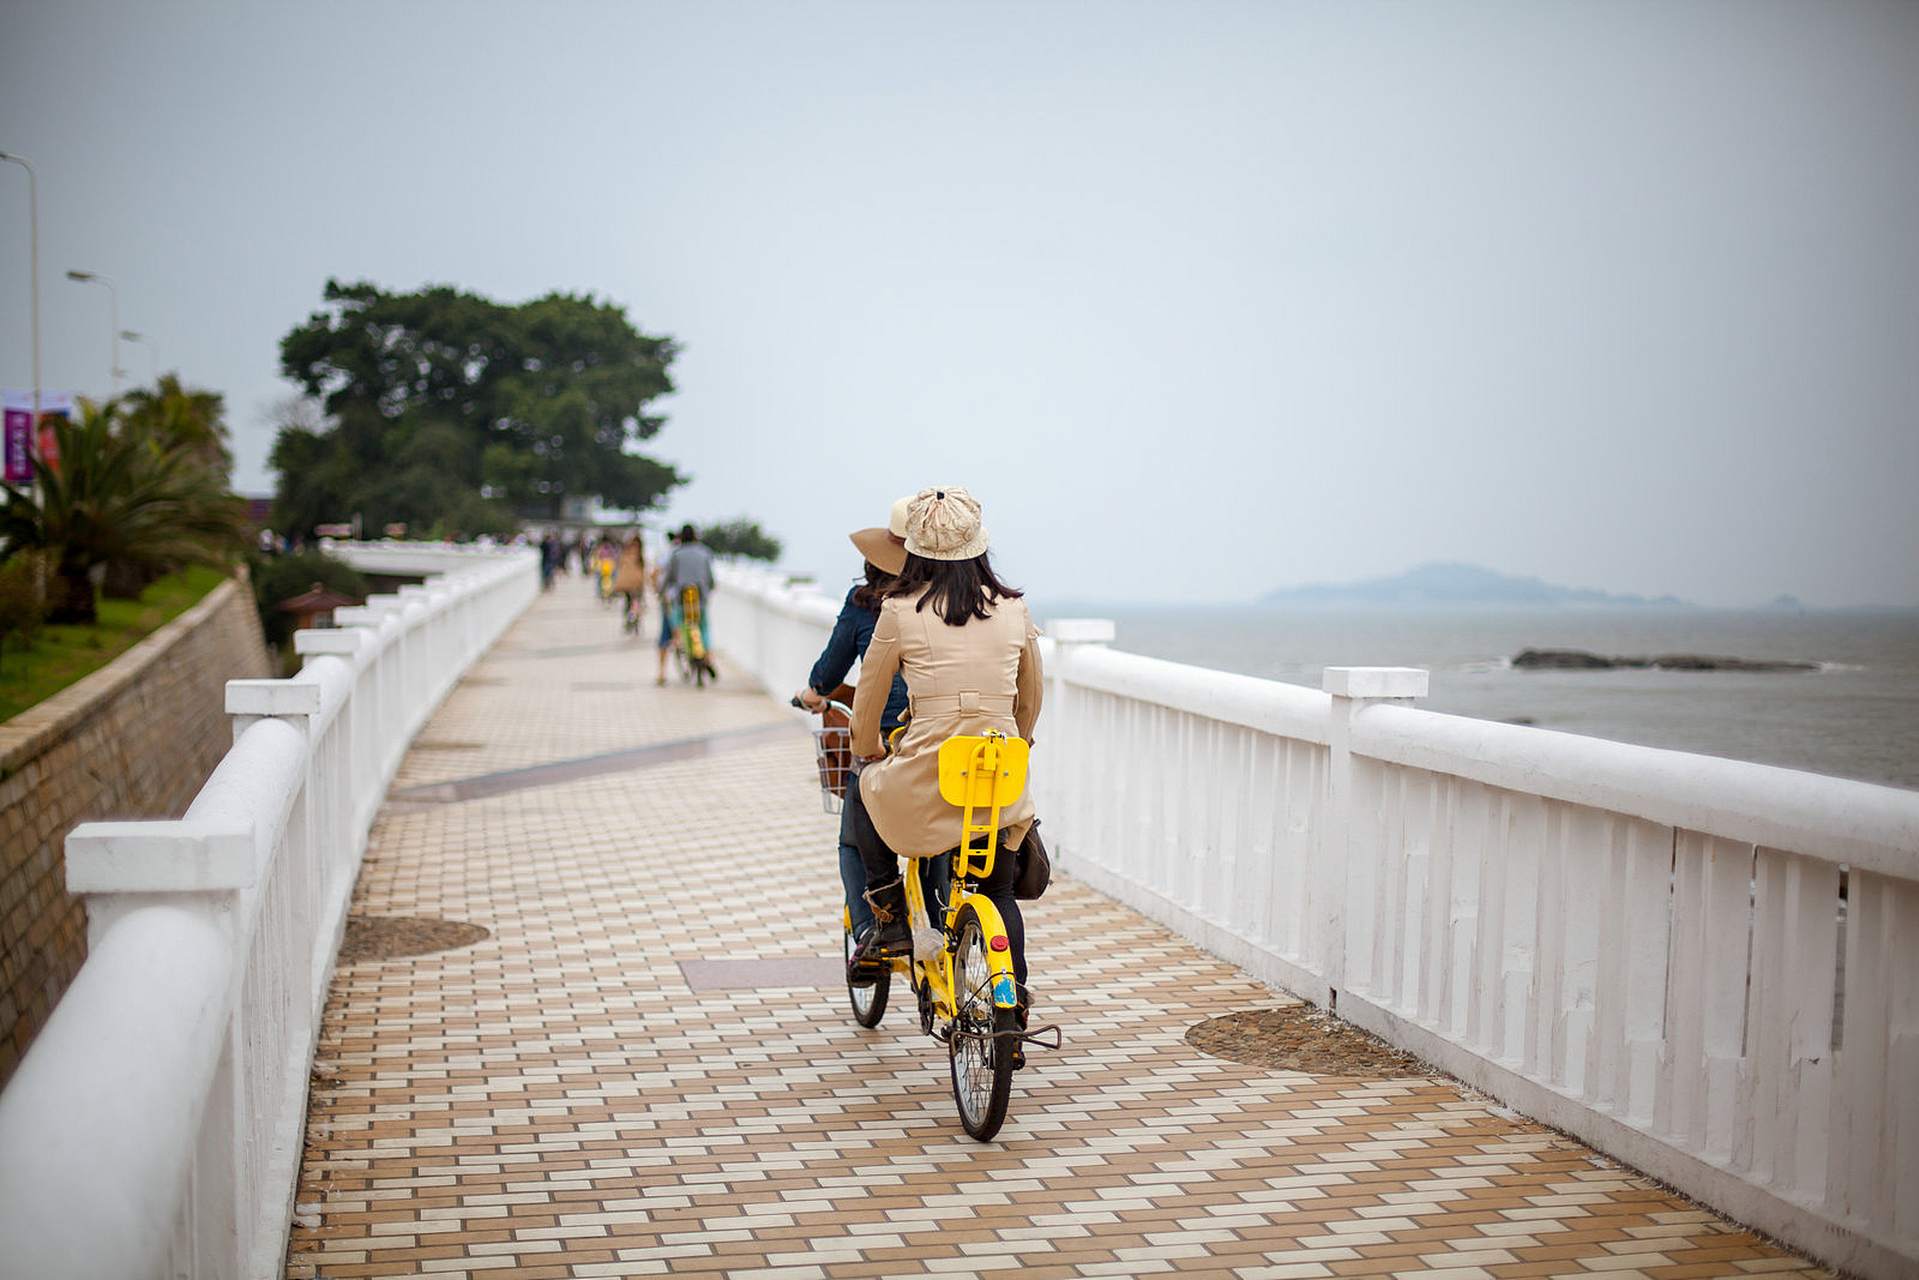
453	413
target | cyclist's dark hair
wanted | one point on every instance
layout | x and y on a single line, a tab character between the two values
873	590
958	590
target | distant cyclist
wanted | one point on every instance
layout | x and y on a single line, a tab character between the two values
629	579
691	565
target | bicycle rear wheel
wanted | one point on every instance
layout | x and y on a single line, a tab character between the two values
980	1051
869	1002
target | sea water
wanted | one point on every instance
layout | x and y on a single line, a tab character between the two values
1856	715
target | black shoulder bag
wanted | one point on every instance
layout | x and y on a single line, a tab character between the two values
1035	868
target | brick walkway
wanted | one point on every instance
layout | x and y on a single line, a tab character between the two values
600	1087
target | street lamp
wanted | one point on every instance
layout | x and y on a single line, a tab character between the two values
153	354
94	277
33	271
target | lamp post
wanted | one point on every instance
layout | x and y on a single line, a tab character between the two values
153	354
33	272
94	277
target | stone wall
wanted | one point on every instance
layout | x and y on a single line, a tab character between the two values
136	739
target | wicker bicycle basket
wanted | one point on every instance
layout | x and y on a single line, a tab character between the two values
833	751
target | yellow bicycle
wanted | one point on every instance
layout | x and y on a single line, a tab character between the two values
689	642
961	968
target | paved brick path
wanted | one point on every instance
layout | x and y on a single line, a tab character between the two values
606	1086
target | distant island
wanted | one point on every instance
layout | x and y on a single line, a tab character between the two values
1457	584
1580	660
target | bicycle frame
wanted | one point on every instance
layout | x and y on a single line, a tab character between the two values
960	966
979	775
690	634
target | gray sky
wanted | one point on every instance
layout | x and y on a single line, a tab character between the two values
1200	299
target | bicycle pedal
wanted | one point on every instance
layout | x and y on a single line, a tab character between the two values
864	973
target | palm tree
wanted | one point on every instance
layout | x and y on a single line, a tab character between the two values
115	494
178	417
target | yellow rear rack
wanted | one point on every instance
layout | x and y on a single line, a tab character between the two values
981	775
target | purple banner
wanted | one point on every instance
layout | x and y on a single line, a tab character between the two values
22	441
19	445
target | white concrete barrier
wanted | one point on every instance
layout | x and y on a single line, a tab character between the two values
155	1127
1706	968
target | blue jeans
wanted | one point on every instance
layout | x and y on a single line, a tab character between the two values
853	878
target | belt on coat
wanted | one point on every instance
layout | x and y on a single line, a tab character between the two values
969	701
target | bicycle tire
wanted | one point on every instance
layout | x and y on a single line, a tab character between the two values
979	1050
869	1003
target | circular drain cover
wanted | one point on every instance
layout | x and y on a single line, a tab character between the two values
389	937
1302	1038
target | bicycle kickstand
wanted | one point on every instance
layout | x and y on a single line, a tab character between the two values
1036	1036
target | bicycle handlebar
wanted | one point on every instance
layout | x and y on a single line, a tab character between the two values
827	705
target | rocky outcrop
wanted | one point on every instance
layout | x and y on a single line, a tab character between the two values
1580	660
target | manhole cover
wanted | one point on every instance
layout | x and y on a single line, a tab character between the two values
1302	1038
389	937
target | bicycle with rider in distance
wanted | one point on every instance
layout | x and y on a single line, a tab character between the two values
961	966
689	640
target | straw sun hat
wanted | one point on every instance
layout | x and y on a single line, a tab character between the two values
944	524
886	547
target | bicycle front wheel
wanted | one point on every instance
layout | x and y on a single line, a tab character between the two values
979	1046
869	1001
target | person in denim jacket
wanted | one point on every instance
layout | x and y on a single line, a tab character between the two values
885	553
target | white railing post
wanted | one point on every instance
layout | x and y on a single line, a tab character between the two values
1351	847
210	940
1063	736
1637	946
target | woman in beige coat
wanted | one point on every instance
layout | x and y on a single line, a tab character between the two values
629	579
970	655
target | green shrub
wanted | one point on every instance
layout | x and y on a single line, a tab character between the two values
278	578
23	598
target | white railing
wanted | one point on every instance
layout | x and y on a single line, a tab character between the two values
155	1127
1706	968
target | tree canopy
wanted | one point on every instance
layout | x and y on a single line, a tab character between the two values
743	538
459	415
182	419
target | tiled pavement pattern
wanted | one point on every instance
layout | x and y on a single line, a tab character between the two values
557	1100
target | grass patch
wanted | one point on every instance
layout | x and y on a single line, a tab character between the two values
61	655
